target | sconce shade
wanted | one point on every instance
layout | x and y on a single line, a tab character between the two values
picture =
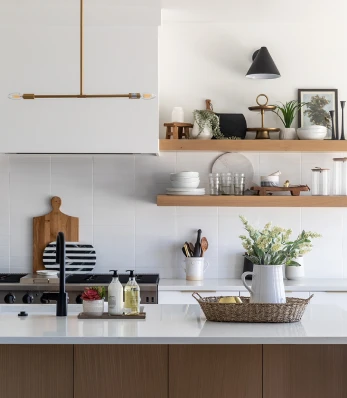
263	66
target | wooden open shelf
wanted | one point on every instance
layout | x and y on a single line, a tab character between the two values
253	201
253	145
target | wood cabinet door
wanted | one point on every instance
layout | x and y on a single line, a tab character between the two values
304	371
36	371
223	371
122	371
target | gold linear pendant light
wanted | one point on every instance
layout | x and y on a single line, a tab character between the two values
18	96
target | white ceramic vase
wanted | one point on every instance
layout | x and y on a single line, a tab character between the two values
206	133
288	134
267	284
295	272
93	307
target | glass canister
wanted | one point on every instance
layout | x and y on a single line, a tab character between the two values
340	176
226	184
320	181
239	184
215	183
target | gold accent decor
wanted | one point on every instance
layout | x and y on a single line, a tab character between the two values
81	94
262	132
262	95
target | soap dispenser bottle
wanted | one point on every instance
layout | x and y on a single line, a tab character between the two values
115	295
132	295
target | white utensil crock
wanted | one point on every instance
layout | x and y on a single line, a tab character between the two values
195	268
267	284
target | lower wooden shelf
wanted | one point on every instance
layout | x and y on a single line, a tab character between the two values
253	201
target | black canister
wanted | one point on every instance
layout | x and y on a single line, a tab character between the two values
247	267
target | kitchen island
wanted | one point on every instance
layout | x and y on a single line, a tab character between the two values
174	353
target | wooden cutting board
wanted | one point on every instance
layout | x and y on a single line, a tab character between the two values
47	227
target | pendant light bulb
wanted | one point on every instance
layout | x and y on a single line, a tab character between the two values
15	96
147	96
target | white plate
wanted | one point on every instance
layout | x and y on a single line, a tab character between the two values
185	174
234	162
185	189
184	185
184	179
46	272
186	193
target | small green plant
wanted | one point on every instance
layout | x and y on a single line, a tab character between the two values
207	118
288	111
273	246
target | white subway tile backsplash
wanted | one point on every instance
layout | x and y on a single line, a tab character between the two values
115	198
30	187
115	247
114	190
326	259
72	180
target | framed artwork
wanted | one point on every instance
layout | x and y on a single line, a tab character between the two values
319	103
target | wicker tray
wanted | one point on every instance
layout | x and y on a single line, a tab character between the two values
291	311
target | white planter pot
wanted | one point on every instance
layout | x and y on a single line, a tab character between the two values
288	134
93	307
267	284
295	272
206	133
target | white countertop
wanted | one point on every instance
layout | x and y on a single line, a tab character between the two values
304	285
166	324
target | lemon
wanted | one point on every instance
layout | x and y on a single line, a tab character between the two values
227	300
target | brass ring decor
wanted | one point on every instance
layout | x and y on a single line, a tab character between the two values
262	132
262	95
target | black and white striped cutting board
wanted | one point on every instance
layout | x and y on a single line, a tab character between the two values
79	257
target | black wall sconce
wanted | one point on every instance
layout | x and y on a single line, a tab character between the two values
263	66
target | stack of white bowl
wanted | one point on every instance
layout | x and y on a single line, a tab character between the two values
185	183
312	133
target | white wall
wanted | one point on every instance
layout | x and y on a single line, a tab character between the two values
114	197
206	50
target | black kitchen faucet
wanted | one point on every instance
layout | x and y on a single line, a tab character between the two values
61	297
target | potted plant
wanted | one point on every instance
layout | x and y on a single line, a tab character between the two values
206	125
269	250
295	271
287	113
93	300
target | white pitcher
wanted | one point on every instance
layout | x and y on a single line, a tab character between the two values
267	284
195	268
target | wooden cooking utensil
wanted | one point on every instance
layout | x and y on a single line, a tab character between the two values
191	247
47	227
204	246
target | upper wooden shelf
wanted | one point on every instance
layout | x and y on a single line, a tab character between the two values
253	201
253	145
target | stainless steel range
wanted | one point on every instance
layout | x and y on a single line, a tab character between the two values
28	288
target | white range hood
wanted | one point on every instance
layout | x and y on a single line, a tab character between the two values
40	42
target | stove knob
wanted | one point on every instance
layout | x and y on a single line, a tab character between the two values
28	299
10	298
79	299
